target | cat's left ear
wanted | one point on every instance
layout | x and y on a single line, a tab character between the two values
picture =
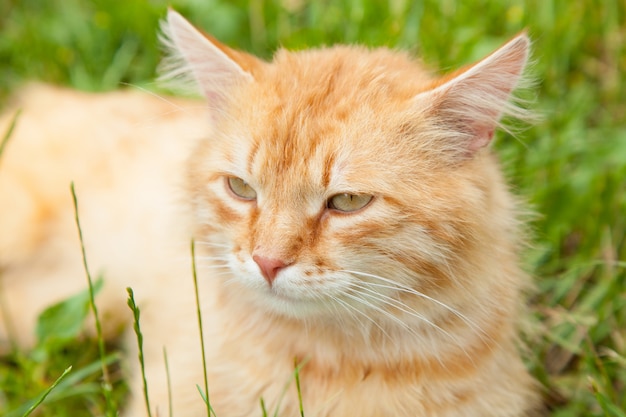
194	56
470	102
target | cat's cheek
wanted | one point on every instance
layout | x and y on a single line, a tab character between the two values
247	272
298	291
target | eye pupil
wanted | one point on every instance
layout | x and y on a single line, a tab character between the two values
347	203
240	188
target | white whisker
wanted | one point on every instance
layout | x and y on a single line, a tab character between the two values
401	287
353	309
213	268
211	258
153	94
382	311
394	303
212	244
334	307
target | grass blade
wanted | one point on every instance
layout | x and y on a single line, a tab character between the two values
169	384
45	394
107	389
297	367
205	396
68	386
9	132
608	406
137	328
263	408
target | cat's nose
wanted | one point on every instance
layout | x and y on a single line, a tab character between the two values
269	267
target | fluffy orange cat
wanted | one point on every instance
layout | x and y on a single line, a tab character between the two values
348	213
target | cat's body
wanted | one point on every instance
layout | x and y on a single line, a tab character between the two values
347	216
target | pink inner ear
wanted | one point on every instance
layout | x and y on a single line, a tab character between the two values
471	102
483	137
192	55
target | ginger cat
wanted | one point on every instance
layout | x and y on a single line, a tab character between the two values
347	211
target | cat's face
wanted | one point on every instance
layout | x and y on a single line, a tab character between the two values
310	195
342	180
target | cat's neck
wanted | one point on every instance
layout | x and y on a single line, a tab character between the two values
356	346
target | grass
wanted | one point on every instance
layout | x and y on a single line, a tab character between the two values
571	166
110	407
204	393
137	329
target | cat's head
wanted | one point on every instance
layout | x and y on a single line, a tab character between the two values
349	180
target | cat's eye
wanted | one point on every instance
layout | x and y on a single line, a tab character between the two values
348	202
241	188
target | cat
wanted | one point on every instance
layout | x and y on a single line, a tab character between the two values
347	213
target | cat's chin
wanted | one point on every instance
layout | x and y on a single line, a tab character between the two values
277	302
291	306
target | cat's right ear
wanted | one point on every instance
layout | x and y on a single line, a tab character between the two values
468	104
197	60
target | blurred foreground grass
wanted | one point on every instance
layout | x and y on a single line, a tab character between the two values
571	166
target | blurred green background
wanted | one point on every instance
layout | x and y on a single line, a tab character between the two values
571	166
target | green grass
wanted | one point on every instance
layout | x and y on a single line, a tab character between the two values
571	166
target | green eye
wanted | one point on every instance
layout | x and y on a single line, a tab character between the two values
349	202
241	188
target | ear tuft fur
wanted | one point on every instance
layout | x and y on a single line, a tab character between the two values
471	103
196	62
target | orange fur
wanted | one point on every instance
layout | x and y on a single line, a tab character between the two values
406	306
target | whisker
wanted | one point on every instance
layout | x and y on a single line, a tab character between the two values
396	304
351	308
401	287
212	258
229	281
212	244
382	311
334	307
392	302
162	98
209	260
214	268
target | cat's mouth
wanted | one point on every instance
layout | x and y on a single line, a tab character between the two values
282	296
291	304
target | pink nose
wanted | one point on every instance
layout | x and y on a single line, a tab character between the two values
269	267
